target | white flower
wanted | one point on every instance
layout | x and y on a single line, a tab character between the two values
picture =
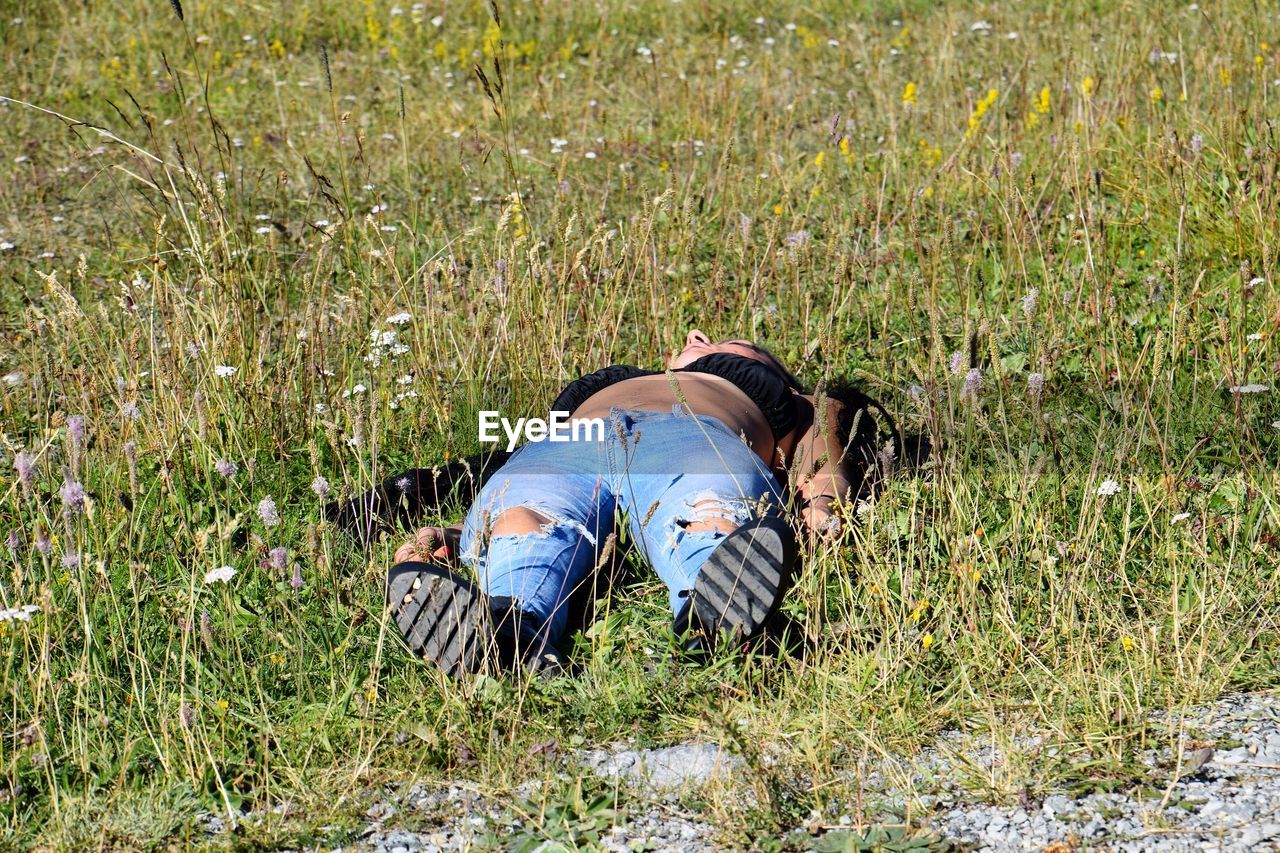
1252	388
1257	280
1255	336
262	229
21	614
1108	488
980	27
1182	516
1275	424
225	370
222	574
400	319
437	21
5	245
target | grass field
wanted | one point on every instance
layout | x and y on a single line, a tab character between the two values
1045	234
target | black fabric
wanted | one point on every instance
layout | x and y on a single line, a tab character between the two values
577	391
764	385
410	495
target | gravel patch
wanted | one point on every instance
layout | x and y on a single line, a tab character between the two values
1221	793
666	769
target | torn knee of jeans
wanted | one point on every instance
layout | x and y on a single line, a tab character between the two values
536	522
519	521
709	513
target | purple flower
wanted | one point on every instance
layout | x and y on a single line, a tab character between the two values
75	430
279	558
1035	385
403	484
130	411
296	580
268	513
43	544
1031	302
321	487
1015	160
13	541
973	381
74	497
1197	143
131	450
25	465
226	468
71	560
957	363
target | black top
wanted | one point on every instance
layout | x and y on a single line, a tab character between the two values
764	385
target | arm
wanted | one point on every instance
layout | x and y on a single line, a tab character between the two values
820	469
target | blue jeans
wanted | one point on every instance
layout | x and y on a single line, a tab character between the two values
662	470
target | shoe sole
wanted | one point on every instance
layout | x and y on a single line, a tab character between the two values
742	583
442	617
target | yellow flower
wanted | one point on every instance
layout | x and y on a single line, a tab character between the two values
223	704
777	209
909	95
1224	75
845	150
1043	101
902	39
980	110
926	641
1128	643
1087	86
1157	95
817	161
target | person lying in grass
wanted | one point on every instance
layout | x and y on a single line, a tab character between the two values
694	460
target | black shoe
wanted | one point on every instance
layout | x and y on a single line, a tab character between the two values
740	586
444	618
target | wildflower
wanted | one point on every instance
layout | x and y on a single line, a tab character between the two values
74	497
226	468
1109	488
1127	642
1180	517
926	642
296	580
909	95
1088	86
279	558
25	465
957	362
1030	302
1252	388
43	543
130	411
400	319
222	574
1015	160
980	27
1197	143
1157	95
20	614
973	381
321	487
75	430
71	560
225	370
979	110
268	513
1035	384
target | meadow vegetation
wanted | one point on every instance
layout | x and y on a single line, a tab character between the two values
265	255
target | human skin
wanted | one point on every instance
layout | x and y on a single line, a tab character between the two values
809	455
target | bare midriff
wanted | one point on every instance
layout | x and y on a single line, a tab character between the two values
705	394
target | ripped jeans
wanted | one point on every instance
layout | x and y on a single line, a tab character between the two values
663	471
